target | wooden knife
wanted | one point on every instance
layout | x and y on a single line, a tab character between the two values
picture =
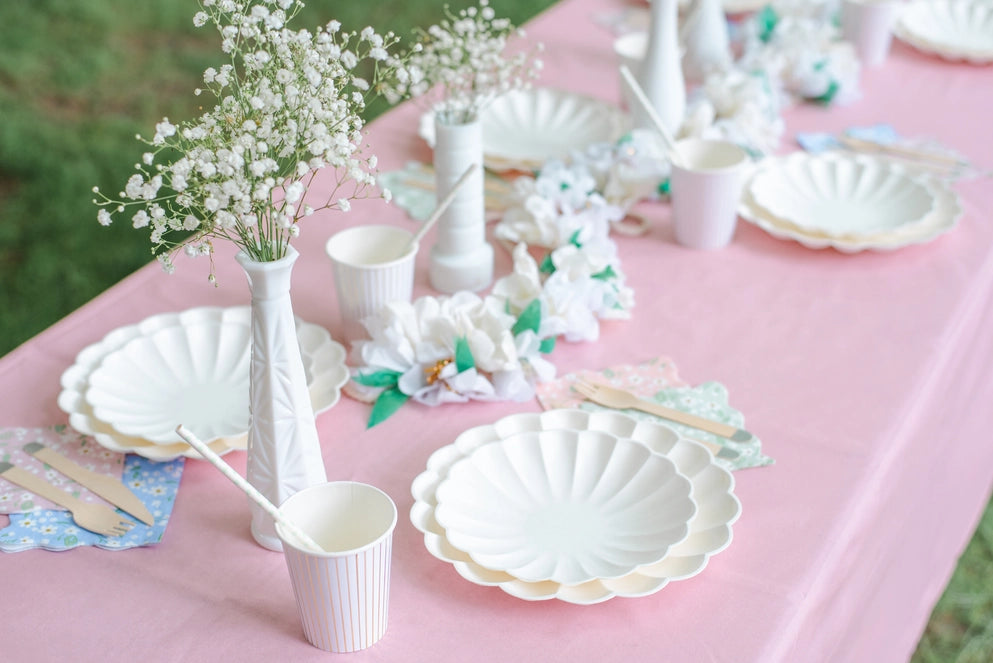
107	487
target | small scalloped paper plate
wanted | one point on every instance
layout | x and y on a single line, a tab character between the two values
838	195
952	29
525	128
943	217
324	363
712	488
567	506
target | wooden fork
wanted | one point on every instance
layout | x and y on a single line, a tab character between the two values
619	399
97	518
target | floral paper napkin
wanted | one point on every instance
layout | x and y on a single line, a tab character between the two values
936	158
36	523
658	380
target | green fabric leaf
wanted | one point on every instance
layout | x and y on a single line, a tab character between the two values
463	355
767	20
547	266
530	318
828	96
606	274
665	187
547	345
574	240
382	378
386	404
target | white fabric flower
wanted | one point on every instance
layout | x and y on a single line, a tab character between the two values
419	341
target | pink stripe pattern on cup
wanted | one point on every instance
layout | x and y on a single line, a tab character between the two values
343	601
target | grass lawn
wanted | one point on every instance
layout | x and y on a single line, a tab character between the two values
79	78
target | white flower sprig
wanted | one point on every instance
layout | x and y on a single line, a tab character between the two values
462	63
289	104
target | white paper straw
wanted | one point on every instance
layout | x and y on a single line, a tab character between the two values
443	205
249	489
639	94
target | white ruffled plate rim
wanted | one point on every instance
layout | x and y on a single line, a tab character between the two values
323	357
944	217
684	560
928	43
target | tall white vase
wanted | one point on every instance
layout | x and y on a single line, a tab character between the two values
661	73
461	259
284	453
705	37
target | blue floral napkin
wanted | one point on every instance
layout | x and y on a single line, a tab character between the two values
154	483
944	162
816	142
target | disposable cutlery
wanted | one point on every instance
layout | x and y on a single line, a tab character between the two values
107	487
619	399
97	518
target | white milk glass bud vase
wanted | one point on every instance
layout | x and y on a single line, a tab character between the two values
706	40
661	72
461	258
284	453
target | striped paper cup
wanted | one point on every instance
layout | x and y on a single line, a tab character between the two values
373	265
342	594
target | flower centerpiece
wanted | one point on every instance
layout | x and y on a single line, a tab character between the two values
458	67
288	105
463	347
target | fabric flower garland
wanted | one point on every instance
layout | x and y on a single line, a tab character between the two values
464	347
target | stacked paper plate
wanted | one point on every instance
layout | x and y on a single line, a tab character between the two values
952	29
525	128
850	203
574	505
131	389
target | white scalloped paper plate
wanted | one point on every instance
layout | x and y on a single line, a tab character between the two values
841	196
944	216
324	364
564	505
525	128
952	29
709	530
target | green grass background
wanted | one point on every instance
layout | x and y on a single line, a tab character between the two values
78	80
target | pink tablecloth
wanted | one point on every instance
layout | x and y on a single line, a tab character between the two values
866	377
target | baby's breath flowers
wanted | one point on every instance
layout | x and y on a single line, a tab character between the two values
288	104
463	63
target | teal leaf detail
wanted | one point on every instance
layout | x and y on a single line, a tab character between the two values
547	266
530	318
381	378
386	404
606	274
829	95
767	20
574	240
665	187
463	355
547	345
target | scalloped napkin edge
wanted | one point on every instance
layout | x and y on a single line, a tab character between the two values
53	529
658	379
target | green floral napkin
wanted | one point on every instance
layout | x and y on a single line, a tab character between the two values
658	380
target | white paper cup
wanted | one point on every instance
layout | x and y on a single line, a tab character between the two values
342	595
705	192
371	269
630	52
868	25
